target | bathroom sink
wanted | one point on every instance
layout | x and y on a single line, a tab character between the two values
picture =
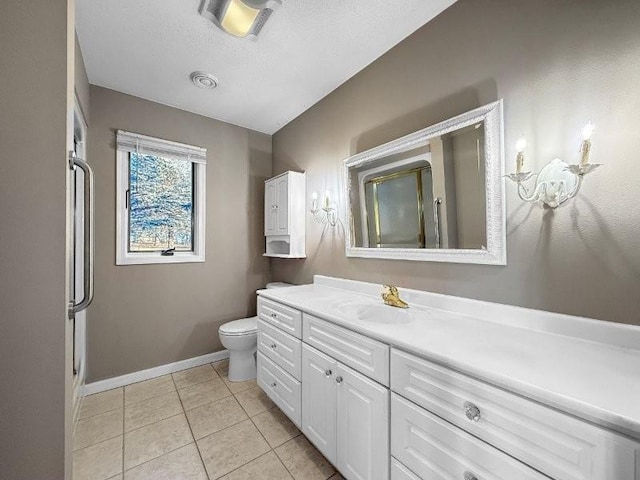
376	313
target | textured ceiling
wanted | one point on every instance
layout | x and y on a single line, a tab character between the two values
148	48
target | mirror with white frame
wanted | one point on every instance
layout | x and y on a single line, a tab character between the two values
434	195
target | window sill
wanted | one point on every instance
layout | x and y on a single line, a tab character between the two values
156	258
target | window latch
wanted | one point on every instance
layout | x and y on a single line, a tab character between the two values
168	252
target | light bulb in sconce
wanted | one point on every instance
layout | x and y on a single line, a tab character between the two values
327	213
521	145
585	148
587	131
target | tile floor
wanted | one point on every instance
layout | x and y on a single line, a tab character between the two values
192	425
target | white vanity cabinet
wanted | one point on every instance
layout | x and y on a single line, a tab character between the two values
379	412
434	449
345	414
284	215
279	356
322	377
444	410
359	352
319	400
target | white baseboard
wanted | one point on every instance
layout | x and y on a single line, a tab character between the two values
135	377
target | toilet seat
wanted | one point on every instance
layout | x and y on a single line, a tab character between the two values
244	326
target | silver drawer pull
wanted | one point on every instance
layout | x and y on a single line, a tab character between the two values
473	413
469	476
273	345
274	385
328	373
274	315
339	379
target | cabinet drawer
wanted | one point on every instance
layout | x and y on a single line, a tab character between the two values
557	444
283	349
400	472
282	388
437	450
287	319
361	353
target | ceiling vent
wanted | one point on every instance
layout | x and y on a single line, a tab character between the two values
204	80
241	18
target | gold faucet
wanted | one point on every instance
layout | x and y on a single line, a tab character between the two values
392	298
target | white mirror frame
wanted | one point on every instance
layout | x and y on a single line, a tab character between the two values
496	251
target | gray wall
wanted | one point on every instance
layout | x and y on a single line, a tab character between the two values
34	380
149	315
556	64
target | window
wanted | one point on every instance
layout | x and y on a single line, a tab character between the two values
161	201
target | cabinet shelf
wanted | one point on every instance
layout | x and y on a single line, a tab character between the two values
283	255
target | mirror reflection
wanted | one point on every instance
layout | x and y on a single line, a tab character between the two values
427	197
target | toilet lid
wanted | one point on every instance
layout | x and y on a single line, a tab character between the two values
239	327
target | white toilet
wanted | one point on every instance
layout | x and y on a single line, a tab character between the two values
240	337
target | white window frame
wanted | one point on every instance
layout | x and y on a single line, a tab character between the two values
123	256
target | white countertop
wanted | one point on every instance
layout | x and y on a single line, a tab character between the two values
594	380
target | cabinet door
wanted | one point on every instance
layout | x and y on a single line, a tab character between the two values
319	400
362	426
282	205
270	208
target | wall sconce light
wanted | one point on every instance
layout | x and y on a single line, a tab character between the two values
325	214
558	181
241	18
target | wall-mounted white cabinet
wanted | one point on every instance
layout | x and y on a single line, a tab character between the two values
284	215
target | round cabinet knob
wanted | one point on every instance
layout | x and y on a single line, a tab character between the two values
274	315
274	384
469	476
472	412
273	345
328	373
339	379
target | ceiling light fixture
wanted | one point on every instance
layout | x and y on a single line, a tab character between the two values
204	80
241	18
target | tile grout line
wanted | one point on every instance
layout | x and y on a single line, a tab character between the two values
206	404
292	438
96	414
195	442
259	456
133	430
80	417
155	458
145	399
233	395
153	396
272	449
124	432
196	383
